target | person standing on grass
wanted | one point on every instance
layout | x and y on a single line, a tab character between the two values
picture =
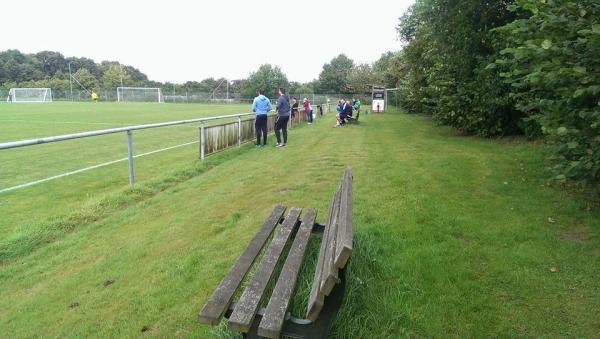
294	107
283	116
356	103
261	106
94	96
307	110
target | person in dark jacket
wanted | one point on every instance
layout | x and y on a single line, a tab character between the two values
294	107
283	116
261	106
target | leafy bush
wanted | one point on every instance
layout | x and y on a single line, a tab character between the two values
553	67
449	47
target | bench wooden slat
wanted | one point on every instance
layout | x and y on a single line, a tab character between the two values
273	318
218	303
315	301
330	277
245	309
343	248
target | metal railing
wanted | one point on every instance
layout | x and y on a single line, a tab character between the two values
212	138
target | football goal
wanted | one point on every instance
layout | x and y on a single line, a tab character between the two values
139	94
29	95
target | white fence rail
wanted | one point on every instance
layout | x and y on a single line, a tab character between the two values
211	139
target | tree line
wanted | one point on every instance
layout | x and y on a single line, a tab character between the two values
502	67
51	69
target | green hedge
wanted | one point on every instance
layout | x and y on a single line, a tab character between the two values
502	67
553	66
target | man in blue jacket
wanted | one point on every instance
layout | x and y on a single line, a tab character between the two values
283	116
261	106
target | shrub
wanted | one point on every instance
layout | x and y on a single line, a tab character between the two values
553	67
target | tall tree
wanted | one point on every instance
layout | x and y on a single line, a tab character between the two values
16	67
303	90
361	78
267	77
449	44
87	79
135	74
51	62
89	64
386	69
334	76
113	76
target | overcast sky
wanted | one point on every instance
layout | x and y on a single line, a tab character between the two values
178	40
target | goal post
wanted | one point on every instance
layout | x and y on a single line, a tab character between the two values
26	95
139	94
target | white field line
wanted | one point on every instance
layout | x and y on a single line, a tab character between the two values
91	168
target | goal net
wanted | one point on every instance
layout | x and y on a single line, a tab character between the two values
139	94
29	95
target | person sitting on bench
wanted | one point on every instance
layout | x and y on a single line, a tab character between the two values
344	111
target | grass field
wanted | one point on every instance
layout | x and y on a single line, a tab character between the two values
23	165
452	237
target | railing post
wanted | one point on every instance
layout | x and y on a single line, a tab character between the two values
130	157
239	131
202	140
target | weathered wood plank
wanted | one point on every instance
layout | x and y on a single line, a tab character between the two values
272	321
218	303
330	276
343	248
245	309
316	298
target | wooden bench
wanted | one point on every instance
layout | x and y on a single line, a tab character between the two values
354	119
328	285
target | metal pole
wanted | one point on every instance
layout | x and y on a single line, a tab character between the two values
71	81
227	90
202	141
130	157
239	131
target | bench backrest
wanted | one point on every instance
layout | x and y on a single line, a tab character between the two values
336	246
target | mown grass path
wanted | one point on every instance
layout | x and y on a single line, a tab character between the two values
452	239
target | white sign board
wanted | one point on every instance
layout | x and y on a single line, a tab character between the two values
378	105
378	99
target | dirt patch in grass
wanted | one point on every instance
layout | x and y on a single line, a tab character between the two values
285	191
579	234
